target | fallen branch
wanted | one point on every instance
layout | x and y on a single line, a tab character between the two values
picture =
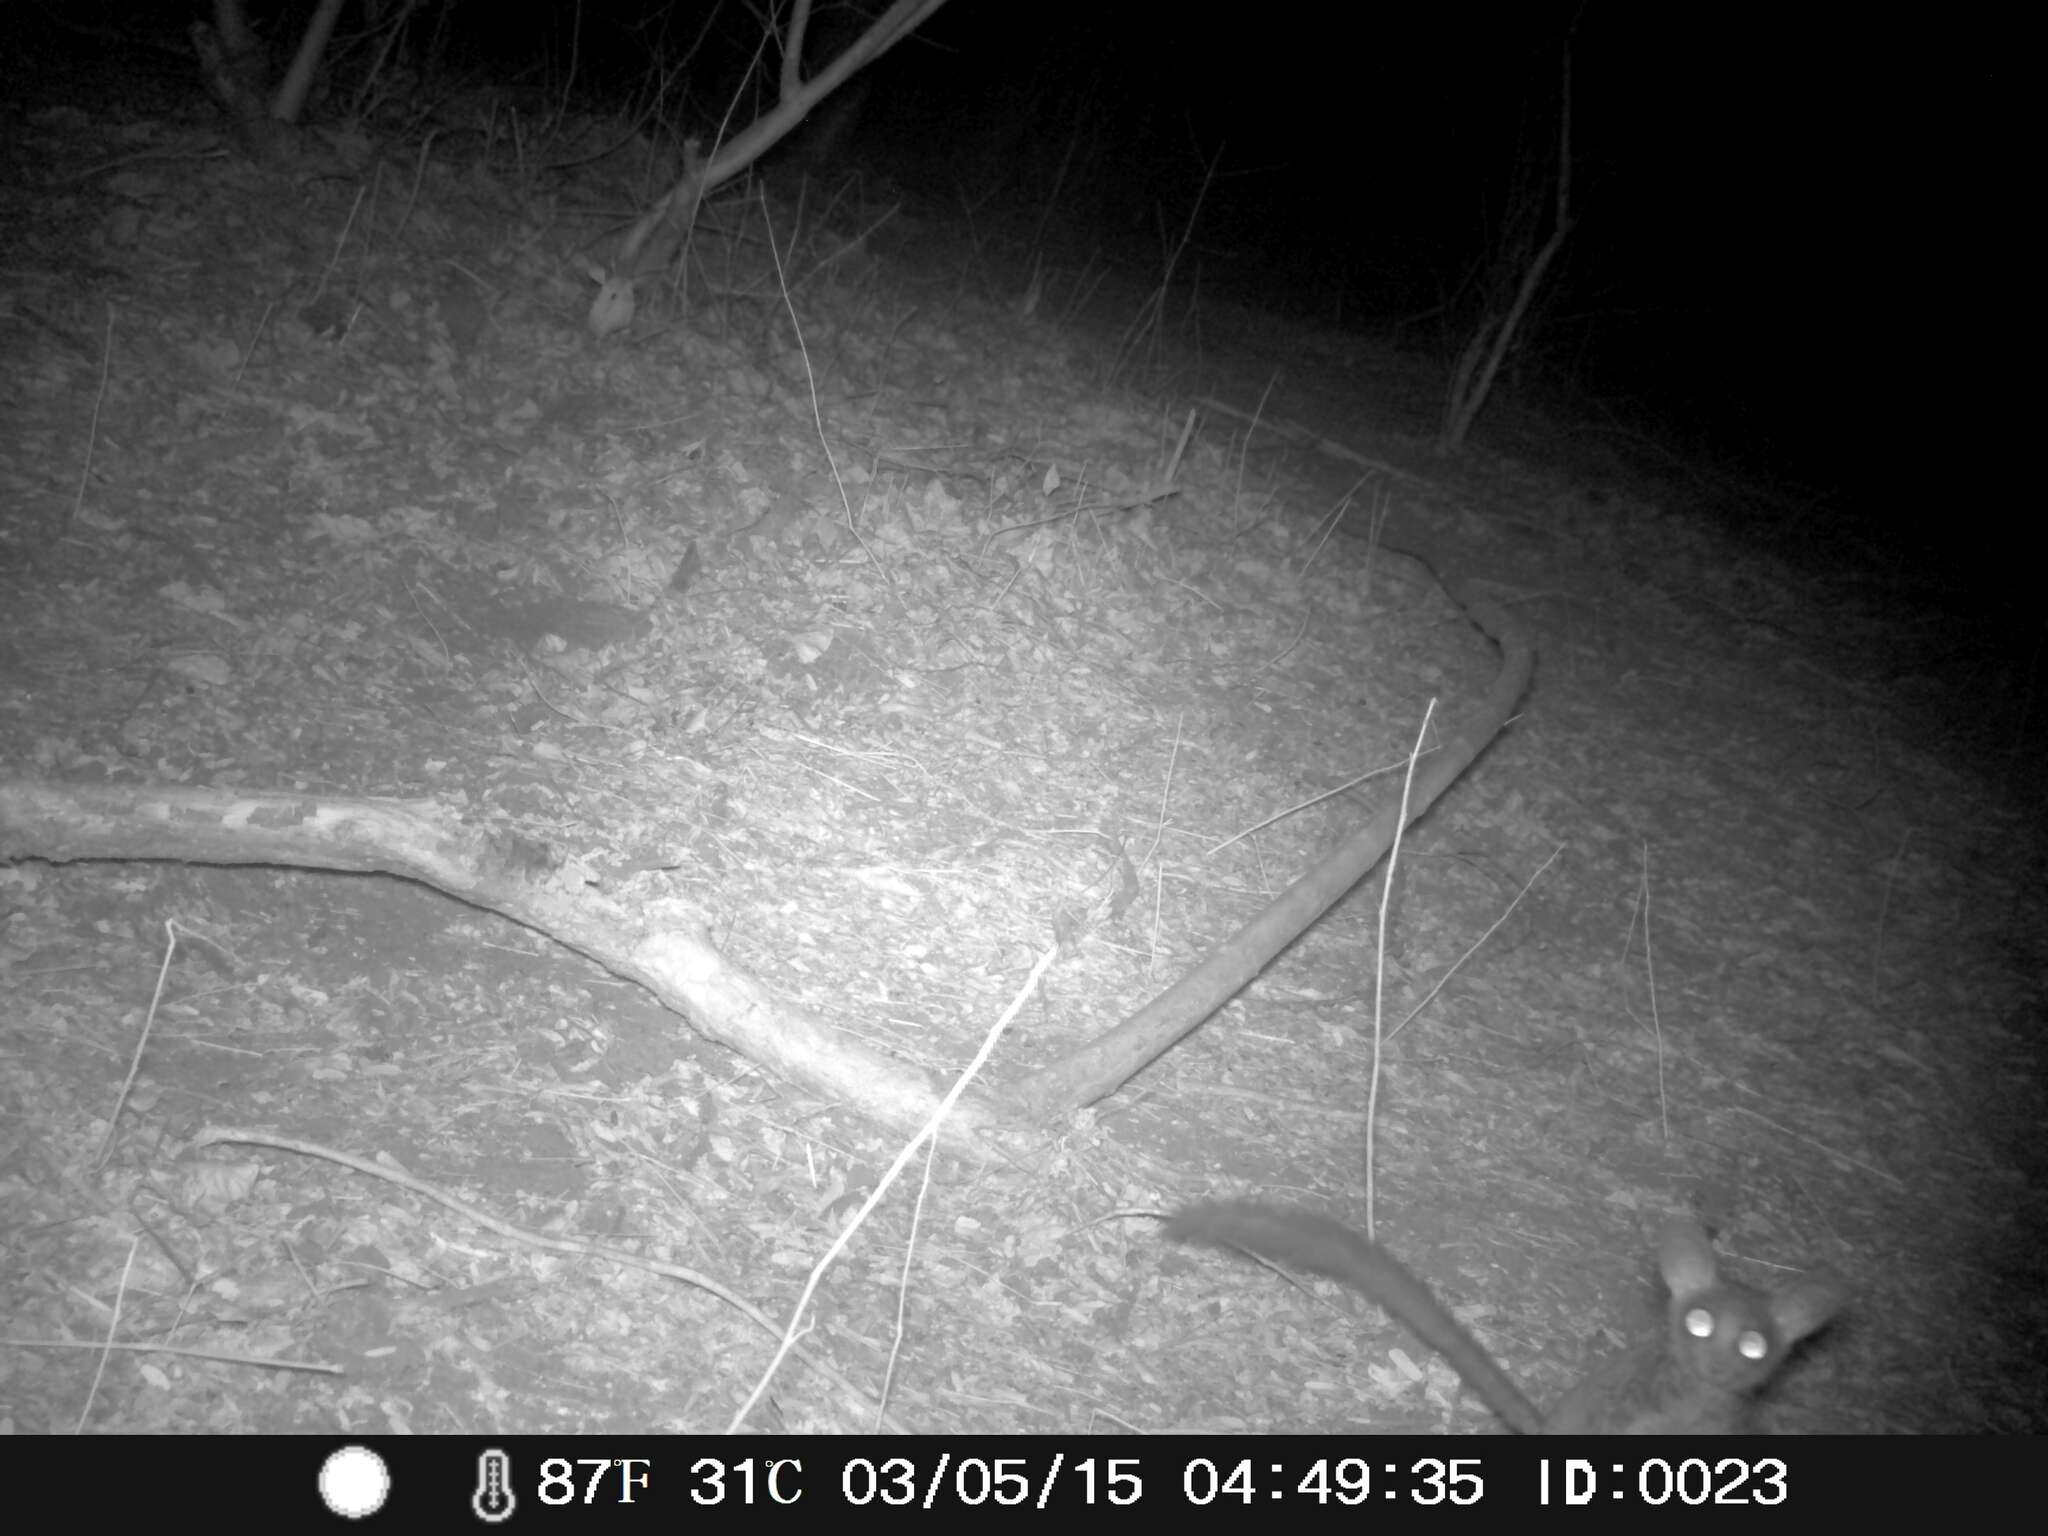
662	946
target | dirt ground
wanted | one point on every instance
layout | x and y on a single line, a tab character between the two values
836	598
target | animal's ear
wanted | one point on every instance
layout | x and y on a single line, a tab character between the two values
1686	1257
1800	1309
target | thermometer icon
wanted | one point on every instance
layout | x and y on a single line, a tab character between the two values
493	1499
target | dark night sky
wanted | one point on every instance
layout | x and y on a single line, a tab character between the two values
1794	220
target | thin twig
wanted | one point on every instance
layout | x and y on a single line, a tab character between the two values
214	1135
925	1132
1473	948
92	435
1379	974
817	415
163	972
1656	1022
107	1344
